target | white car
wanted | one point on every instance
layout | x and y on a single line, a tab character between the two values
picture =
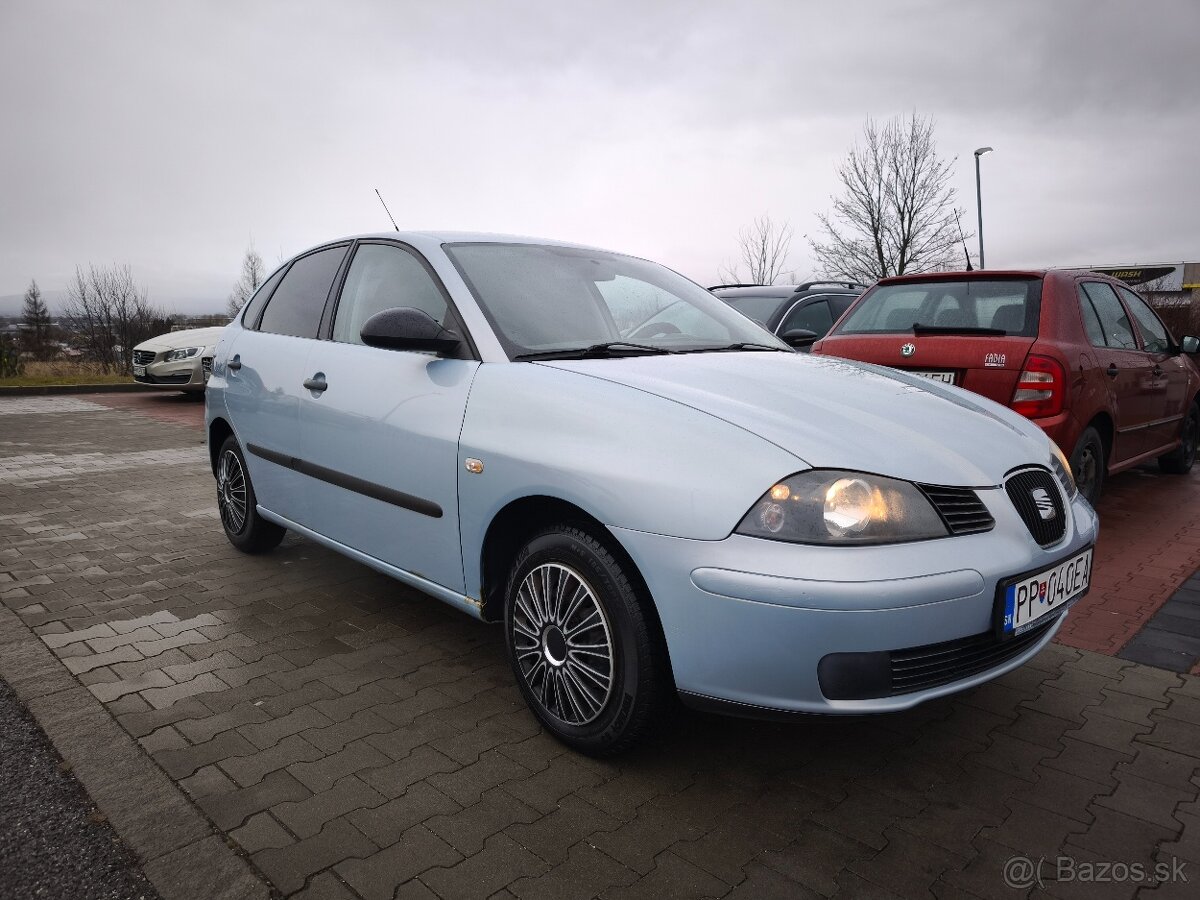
178	360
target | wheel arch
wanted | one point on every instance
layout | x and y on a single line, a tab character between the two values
218	431
1103	423
518	521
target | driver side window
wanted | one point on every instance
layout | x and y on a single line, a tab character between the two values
383	277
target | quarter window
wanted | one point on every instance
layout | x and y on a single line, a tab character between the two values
296	306
1118	332
254	306
384	277
1154	336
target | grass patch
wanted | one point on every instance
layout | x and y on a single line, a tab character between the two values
38	374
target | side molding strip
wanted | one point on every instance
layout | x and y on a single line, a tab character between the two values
349	482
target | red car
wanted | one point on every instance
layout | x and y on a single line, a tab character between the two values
1078	353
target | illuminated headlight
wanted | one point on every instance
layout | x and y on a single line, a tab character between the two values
826	507
183	353
1062	470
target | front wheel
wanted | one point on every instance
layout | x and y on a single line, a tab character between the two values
245	528
1181	459
1088	465
585	656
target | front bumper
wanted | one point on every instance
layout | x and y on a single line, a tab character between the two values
180	375
748	621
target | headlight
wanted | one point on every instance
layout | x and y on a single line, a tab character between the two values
827	507
185	353
1062	468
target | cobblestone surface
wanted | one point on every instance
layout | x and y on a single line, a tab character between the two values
357	739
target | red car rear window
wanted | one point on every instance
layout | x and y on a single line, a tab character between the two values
1010	305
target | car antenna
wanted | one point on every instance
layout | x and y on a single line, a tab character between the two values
389	212
962	237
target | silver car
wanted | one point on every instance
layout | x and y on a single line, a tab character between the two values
651	493
177	361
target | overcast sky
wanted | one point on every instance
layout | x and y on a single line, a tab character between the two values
169	135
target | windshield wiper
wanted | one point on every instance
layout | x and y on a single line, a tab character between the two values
607	350
957	329
740	345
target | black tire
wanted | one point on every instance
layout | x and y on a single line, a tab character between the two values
576	706
1089	463
245	528
1180	460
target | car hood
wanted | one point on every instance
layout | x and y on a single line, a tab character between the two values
834	413
190	337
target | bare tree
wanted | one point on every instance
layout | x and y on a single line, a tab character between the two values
896	213
764	250
253	275
35	339
108	315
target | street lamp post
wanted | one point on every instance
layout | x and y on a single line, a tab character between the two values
979	199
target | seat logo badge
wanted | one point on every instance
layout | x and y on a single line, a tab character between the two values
473	465
1044	504
908	349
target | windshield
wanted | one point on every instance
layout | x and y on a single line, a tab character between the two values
542	299
1002	305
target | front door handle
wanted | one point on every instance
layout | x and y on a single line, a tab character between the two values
234	364
1111	372
1157	371
316	383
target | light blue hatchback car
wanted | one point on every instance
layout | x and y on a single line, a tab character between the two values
649	491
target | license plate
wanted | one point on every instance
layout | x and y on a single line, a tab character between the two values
1027	599
944	377
139	370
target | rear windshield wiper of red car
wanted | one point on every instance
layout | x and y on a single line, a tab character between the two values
957	329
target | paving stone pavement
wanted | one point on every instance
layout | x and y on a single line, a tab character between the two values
353	738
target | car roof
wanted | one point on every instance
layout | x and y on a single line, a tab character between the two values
458	237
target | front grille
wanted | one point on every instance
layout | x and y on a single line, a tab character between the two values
960	508
143	357
921	668
164	379
1036	495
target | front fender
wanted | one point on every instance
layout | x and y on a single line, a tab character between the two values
630	459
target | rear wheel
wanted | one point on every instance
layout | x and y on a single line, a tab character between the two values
245	528
1088	464
1180	460
580	645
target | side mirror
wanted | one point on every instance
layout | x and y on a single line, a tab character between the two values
407	328
1189	343
799	337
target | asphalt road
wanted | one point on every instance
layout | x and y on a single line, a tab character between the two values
52	842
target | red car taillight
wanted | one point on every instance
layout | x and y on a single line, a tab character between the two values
1041	389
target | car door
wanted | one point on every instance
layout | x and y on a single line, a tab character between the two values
1169	384
1133	398
379	431
265	377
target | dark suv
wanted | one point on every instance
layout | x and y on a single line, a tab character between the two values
811	307
1079	354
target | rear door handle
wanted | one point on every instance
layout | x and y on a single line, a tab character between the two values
1157	371
1111	372
316	383
234	364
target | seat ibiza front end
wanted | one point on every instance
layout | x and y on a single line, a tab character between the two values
650	493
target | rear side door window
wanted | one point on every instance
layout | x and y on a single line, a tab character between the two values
1154	335
1118	332
296	306
385	277
259	300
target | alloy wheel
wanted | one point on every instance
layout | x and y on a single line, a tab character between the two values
231	492
563	643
